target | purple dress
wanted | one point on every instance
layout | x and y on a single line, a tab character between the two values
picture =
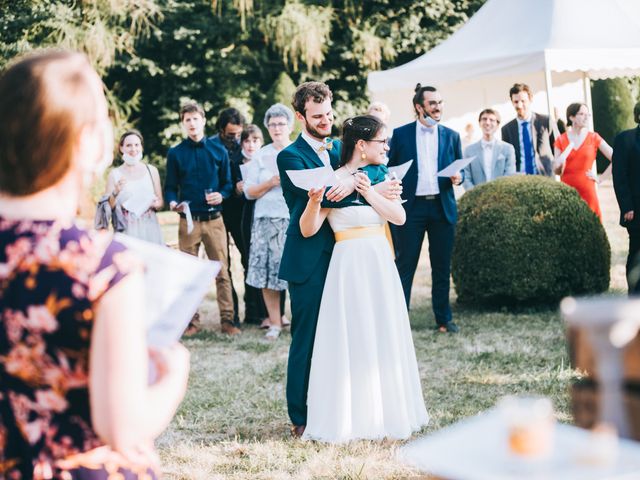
51	275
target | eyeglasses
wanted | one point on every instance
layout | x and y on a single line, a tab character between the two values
434	103
384	140
274	125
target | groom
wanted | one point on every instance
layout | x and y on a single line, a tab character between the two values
305	261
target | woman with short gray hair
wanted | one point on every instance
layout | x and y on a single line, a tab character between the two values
270	217
278	110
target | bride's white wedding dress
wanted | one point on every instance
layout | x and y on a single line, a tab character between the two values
364	381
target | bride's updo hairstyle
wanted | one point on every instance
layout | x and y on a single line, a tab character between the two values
46	99
363	127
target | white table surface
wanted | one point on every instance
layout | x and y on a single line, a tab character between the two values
476	449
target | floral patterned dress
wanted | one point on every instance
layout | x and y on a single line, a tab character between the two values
51	275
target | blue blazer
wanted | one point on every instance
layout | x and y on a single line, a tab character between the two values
301	255
403	148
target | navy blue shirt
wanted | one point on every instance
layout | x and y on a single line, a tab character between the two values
194	166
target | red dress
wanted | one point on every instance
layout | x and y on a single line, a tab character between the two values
578	163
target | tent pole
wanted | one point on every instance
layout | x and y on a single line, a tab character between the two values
586	87
549	86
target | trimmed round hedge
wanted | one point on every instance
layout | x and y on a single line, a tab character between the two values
527	240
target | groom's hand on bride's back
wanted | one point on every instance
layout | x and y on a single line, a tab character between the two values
342	189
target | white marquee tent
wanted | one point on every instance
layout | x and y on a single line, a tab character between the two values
552	45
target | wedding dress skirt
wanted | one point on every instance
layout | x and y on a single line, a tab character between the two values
364	381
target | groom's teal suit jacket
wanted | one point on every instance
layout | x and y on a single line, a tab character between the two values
304	265
301	255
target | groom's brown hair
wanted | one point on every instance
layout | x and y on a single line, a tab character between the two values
316	91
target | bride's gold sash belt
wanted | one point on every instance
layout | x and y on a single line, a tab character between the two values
366	232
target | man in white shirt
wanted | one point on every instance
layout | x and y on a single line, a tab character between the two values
430	204
493	158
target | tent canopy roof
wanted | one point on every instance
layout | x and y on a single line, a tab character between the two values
515	37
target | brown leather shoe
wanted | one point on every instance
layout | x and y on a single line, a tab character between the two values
229	328
297	430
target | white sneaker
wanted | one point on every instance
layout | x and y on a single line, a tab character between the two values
273	333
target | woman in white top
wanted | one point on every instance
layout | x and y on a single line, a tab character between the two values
135	185
270	216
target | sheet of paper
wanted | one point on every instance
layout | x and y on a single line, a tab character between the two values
401	170
175	283
565	153
139	202
244	170
455	167
187	213
313	177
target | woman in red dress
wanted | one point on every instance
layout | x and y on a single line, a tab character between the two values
576	167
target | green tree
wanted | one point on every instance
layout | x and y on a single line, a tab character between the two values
103	29
612	110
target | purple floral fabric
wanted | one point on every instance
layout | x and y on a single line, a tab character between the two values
51	275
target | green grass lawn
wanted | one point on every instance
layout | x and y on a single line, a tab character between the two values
233	422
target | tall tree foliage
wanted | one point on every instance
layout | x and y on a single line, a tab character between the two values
155	54
232	53
103	29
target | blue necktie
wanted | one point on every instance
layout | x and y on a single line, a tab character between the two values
528	149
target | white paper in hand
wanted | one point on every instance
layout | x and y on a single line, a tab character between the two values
401	170
174	285
244	171
455	167
187	213
313	177
139	202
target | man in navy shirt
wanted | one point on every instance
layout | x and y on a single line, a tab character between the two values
198	173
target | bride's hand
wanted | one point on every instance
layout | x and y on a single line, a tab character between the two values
316	194
362	183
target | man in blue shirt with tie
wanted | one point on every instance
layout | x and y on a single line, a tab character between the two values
198	173
530	134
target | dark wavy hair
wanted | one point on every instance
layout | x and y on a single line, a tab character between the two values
572	111
363	127
227	116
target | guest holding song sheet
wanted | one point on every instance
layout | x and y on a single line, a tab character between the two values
364	381
270	216
75	395
430	206
135	186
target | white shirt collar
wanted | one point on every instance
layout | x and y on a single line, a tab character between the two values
520	121
490	144
424	129
313	143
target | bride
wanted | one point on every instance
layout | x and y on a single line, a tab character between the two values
364	381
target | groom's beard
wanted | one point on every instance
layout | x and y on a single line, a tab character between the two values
315	133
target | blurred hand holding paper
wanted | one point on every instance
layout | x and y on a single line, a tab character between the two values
401	170
455	167
187	214
313	177
175	283
139	202
244	171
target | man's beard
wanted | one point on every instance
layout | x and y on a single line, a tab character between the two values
315	133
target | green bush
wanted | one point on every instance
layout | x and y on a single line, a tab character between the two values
527	240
